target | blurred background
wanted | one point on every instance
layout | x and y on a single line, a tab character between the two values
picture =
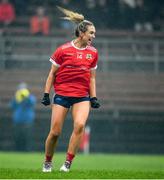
130	74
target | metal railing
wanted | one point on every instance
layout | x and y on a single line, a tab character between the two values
114	53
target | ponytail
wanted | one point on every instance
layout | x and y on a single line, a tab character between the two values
77	18
71	16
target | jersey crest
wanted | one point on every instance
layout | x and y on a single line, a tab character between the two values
89	56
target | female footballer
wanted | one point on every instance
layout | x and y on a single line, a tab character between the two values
73	75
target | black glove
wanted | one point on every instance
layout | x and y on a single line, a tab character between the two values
46	99
94	102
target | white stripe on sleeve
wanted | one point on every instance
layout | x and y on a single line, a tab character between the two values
94	68
54	63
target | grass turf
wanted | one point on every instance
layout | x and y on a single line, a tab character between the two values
93	166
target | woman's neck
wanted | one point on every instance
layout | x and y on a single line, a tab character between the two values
79	44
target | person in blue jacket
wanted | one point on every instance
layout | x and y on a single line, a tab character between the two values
23	106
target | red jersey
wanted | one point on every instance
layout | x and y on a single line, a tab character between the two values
73	76
7	12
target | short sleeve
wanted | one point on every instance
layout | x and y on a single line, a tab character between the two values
94	63
56	57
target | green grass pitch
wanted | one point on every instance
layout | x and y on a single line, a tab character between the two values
93	166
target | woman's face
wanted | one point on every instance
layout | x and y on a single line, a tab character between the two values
88	36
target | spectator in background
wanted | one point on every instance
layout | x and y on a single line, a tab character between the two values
103	13
40	23
7	15
65	3
20	7
23	105
159	19
124	15
67	25
112	14
155	10
90	9
142	16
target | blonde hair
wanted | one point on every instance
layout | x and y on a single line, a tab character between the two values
71	16
82	24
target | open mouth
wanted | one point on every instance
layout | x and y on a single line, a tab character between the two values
89	41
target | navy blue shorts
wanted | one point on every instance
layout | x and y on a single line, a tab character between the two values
67	102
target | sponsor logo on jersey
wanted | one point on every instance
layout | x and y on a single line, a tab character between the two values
69	54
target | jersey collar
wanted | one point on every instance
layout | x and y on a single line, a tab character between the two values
72	43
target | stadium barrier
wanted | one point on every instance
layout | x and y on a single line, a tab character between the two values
129	86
